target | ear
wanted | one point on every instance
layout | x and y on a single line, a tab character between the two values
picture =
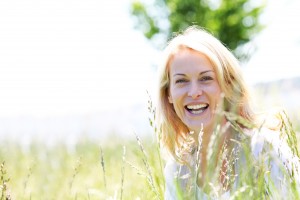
170	99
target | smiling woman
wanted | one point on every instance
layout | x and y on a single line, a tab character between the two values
205	117
194	89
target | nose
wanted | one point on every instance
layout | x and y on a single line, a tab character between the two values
195	91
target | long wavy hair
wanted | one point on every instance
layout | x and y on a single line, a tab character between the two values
227	69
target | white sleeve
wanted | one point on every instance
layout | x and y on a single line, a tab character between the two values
179	181
170	173
283	162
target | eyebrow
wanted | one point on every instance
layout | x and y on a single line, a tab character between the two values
179	74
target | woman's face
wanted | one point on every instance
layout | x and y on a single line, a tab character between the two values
194	90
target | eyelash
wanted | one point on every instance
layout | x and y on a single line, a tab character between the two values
180	81
204	78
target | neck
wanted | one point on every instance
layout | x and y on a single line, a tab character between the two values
222	137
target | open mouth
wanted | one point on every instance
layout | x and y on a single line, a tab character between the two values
197	108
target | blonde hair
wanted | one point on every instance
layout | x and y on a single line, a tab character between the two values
226	66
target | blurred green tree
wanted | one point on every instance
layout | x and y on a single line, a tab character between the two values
234	22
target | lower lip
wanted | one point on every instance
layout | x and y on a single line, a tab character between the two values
196	113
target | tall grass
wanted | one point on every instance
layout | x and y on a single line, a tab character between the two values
86	172
133	169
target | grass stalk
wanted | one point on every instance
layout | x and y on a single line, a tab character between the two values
4	181
148	168
123	172
102	166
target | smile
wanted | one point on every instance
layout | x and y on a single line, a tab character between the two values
197	108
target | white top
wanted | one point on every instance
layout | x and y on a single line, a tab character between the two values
263	142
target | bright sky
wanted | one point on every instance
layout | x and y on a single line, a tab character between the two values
278	53
62	57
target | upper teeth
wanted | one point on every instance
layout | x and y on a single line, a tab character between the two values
198	106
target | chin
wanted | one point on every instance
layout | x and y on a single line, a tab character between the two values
200	126
197	128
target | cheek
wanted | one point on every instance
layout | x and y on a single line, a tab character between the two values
175	99
172	95
216	97
219	101
170	99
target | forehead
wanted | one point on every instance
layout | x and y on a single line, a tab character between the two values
189	61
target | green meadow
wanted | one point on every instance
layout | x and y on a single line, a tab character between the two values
108	168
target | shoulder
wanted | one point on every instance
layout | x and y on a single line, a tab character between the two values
170	170
271	142
177	178
174	171
263	138
268	139
273	145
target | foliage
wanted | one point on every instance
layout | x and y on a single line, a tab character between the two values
234	22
